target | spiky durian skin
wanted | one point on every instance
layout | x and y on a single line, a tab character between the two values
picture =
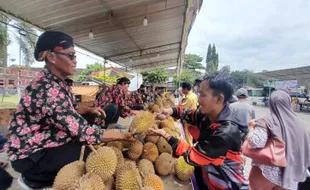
168	123
163	146
146	167
142	122
135	150
151	138
164	164
120	157
150	151
102	163
89	181
67	175
128	178
153	181
183	170
117	144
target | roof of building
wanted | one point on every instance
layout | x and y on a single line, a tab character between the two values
117	25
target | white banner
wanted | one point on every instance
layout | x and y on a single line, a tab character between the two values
286	84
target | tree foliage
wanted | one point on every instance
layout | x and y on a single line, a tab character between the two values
212	59
192	62
4	42
184	77
225	68
90	69
246	77
155	76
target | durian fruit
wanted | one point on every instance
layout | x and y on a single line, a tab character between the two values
150	151
159	102
102	162
135	150
142	122
168	130
177	130
151	138
120	157
117	144
126	144
168	123
163	146
166	104
146	167
146	188
128	178
183	170
67	175
175	134
164	164
89	181
153	108
153	181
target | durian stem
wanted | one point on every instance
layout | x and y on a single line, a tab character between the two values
82	153
143	176
139	184
93	149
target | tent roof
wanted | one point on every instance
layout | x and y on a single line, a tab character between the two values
286	74
119	34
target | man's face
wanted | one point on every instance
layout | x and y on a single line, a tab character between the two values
185	91
64	63
208	103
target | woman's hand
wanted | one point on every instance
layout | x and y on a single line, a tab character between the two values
165	113
251	125
97	111
114	135
156	132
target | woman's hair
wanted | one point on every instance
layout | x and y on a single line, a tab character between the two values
123	80
220	83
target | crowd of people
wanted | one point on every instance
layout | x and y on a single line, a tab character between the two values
48	123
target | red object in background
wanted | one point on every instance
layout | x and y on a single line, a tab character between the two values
194	131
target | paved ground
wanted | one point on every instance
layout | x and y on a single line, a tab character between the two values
260	111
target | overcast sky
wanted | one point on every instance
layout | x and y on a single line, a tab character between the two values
252	34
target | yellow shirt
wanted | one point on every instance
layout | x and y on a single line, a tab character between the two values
190	101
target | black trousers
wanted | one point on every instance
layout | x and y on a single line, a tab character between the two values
40	169
112	112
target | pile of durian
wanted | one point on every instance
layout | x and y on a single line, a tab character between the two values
135	165
167	100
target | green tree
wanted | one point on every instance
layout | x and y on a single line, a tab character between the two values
155	76
90	69
209	54
192	62
4	42
212	59
246	77
225	68
184	77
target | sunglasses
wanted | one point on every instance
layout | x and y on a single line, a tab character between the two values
70	56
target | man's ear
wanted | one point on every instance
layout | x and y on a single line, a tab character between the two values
220	98
51	58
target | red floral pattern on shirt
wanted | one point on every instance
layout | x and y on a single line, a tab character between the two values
114	95
134	98
46	117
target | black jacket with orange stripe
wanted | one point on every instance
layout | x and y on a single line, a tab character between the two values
217	150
